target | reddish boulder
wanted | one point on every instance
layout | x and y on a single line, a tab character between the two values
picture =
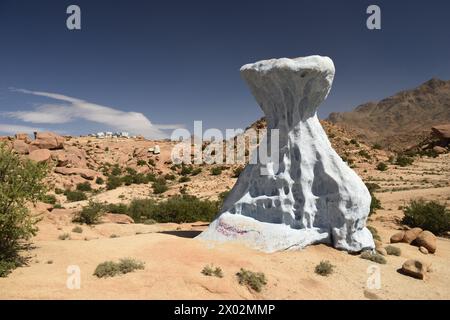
426	239
48	140
442	131
116	218
411	235
21	147
42	155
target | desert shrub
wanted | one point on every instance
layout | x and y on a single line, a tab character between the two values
118	208
374	257
196	171
77	229
354	142
58	206
113	182
76	195
237	171
111	268
186	170
151	162
393	251
49	198
127	180
184	179
141	163
375	203
178	209
429	153
324	268
59	191
150	177
210	271
99	180
382	166
90	214
169	177
85	186
377	146
115	170
374	233
216	171
160	186
431	215
20	183
140	178
364	154
253	280
64	236
403	161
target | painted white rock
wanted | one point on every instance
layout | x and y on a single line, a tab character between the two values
312	196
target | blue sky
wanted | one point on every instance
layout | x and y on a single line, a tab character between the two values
154	65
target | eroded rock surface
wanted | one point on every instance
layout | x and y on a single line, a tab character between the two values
309	195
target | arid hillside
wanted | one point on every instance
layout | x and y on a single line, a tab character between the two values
402	120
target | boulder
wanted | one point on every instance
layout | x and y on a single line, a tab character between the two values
439	150
21	147
277	203
41	155
398	237
411	235
381	251
116	218
416	268
48	140
85	173
70	157
23	137
442	131
423	250
427	240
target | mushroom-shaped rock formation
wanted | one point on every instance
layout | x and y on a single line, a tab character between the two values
308	195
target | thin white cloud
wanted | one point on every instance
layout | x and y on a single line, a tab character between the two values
13	129
74	109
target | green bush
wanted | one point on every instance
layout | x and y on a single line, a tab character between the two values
111	269
375	203
141	163
49	199
253	280
21	182
403	161
127	180
159	186
185	170
85	186
184	179
374	233
432	216
324	268
64	236
119	208
216	171
59	191
374	257
116	171
364	153
170	177
210	271
90	214
77	229
393	251
73	196
113	182
99	180
177	209
382	166
151	162
196	171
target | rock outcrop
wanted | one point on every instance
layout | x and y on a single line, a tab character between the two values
304	193
48	140
41	155
85	173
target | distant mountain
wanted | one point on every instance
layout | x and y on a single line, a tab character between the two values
401	120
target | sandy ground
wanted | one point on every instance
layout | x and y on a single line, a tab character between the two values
174	260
